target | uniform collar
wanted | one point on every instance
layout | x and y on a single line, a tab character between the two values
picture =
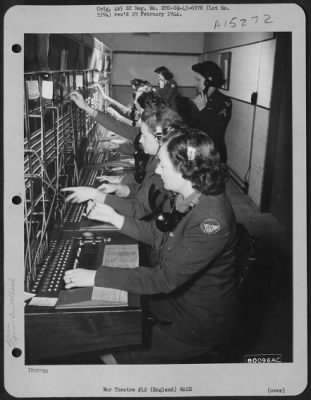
183	205
213	96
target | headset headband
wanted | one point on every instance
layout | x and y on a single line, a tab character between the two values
159	132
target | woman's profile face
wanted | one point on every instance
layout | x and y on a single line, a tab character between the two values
171	177
147	139
199	82
161	81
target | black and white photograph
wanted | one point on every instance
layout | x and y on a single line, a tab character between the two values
155	200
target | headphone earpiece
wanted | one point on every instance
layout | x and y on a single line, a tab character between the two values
159	133
209	81
167	222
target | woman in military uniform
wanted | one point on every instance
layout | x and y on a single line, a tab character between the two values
127	114
130	115
192	292
210	111
168	88
134	199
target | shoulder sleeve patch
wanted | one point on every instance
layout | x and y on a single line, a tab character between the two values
210	226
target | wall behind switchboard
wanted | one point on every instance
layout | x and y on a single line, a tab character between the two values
136	55
224	40
167	42
142	66
252	65
129	66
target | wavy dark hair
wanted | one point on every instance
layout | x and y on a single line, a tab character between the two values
165	72
138	83
143	100
193	153
150	99
160	115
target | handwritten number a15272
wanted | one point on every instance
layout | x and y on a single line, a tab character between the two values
242	22
232	23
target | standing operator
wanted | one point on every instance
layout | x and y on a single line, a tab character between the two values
210	111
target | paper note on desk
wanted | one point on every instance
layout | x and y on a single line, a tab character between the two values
121	256
110	296
91	297
128	160
43	301
113	169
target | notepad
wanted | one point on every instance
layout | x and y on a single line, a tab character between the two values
124	256
43	301
91	297
119	256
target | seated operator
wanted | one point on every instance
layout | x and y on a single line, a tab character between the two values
129	131
139	200
134	199
131	116
127	114
192	292
109	122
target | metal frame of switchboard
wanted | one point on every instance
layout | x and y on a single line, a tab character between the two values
54	129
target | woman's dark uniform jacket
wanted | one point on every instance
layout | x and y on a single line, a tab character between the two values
194	285
169	93
212	119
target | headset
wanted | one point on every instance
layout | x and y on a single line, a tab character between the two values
159	133
213	77
208	83
167	222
